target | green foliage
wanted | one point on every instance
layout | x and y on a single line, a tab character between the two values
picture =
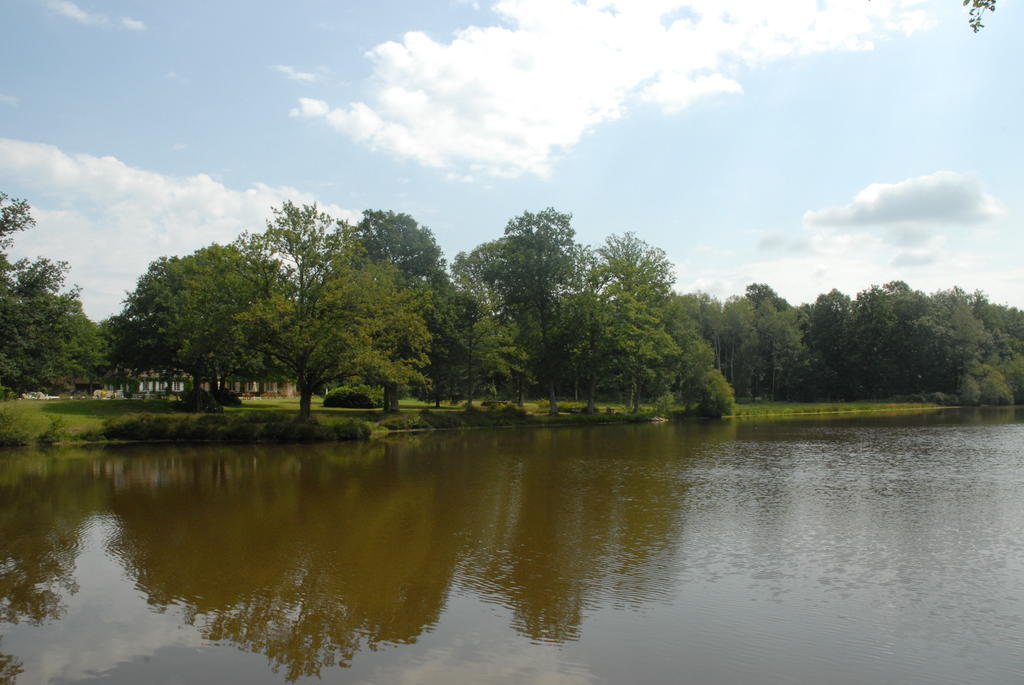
355	397
442	419
978	9
663	405
247	428
182	317
396	422
718	398
12	433
38	318
532	268
398	240
320	311
226	398
6	394
987	385
55	432
15	215
205	403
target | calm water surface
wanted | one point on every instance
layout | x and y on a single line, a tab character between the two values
868	550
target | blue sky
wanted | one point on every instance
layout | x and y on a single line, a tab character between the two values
807	144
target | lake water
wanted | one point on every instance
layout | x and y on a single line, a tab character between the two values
884	549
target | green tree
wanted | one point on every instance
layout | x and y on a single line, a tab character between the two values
181	317
717	397
741	362
399	241
829	321
483	342
318	311
778	327
696	356
637	282
39	318
15	215
533	270
86	355
589	317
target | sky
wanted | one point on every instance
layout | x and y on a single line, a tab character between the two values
807	144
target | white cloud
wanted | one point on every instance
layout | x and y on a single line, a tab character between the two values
8	100
507	99
69	10
294	74
852	260
888	232
109	220
942	198
132	24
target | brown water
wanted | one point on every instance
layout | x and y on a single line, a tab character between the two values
869	550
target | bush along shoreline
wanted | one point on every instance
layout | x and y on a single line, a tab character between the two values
284	426
281	426
235	427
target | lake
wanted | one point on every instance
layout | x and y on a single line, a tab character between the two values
876	549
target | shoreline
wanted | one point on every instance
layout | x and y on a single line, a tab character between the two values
253	425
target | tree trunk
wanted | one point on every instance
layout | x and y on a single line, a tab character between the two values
197	399
469	382
636	397
519	389
552	399
305	402
391	397
591	391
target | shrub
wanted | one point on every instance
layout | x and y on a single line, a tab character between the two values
993	388
572	407
663	405
208	404
226	398
970	391
717	397
54	432
351	430
11	434
355	397
256	427
439	419
941	398
509	410
6	393
396	422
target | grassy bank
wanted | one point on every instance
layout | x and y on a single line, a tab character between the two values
796	408
48	421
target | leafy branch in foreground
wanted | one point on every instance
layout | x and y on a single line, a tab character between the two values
978	9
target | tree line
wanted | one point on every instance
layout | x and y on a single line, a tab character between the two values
318	302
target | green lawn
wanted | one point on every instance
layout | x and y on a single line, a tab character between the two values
77	416
788	408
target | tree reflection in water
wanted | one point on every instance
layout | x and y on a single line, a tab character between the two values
46	503
311	555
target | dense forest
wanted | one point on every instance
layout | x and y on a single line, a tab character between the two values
532	313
